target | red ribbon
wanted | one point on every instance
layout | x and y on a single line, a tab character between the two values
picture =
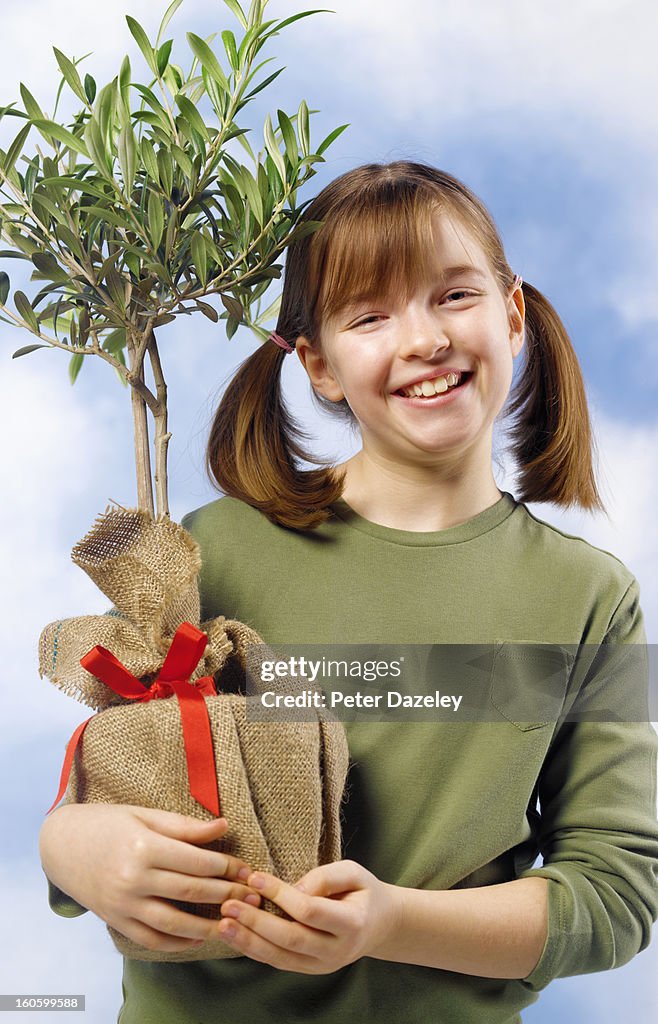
182	658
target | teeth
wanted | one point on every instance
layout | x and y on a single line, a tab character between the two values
427	388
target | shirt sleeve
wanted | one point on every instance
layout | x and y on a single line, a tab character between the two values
62	904
598	832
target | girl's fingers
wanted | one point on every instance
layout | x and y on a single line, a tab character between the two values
182	826
187	859
153	939
192	889
164	917
263	927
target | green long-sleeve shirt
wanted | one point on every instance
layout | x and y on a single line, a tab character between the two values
438	804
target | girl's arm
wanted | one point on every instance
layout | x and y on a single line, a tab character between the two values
494	931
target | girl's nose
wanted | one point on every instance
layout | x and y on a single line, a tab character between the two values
422	335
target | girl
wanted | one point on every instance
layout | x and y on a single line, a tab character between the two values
407	319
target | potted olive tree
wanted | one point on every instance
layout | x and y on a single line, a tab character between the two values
149	201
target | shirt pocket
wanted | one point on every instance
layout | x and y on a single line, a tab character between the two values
529	682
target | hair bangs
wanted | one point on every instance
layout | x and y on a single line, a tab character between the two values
382	245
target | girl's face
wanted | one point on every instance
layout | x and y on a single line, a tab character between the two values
458	332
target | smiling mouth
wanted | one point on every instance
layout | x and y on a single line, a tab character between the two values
436	386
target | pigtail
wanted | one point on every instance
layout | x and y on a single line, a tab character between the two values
551	435
253	445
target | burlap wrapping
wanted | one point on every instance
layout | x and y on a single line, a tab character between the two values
281	783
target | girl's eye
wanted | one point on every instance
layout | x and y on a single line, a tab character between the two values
367	320
459	293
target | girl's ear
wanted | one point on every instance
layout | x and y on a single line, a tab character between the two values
516	320
320	374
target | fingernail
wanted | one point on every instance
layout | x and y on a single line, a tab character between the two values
244	873
252	899
229	931
257	881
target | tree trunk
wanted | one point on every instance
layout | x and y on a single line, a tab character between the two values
162	435
141	438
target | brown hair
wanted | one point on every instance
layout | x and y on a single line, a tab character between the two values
376	223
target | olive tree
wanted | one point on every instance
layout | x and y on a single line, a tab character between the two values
140	208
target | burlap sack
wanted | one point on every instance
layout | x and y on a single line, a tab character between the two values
280	783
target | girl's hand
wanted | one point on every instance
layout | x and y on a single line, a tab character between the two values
343	912
124	863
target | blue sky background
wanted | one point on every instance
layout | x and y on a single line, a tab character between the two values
547	111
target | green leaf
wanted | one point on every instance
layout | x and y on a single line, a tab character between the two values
94	140
90	88
231	49
4	287
208	310
263	85
127	148
168	15
173	78
75	366
50	129
163	55
24	307
15	148
124	81
296	17
105	215
40	200
191	114
166	171
271	311
303	229
209	61
331	137
183	161
155	219
273	149
70	241
155	105
133	263
289	137
115	341
244	142
231	327
253	195
199	257
46	264
140	37
116	284
70	73
78	184
233	307
234	6
149	159
304	129
31	106
26	349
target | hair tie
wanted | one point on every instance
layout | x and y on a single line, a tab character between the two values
517	280
281	342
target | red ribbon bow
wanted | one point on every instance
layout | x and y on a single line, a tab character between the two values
182	658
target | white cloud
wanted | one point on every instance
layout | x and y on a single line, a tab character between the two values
58	453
